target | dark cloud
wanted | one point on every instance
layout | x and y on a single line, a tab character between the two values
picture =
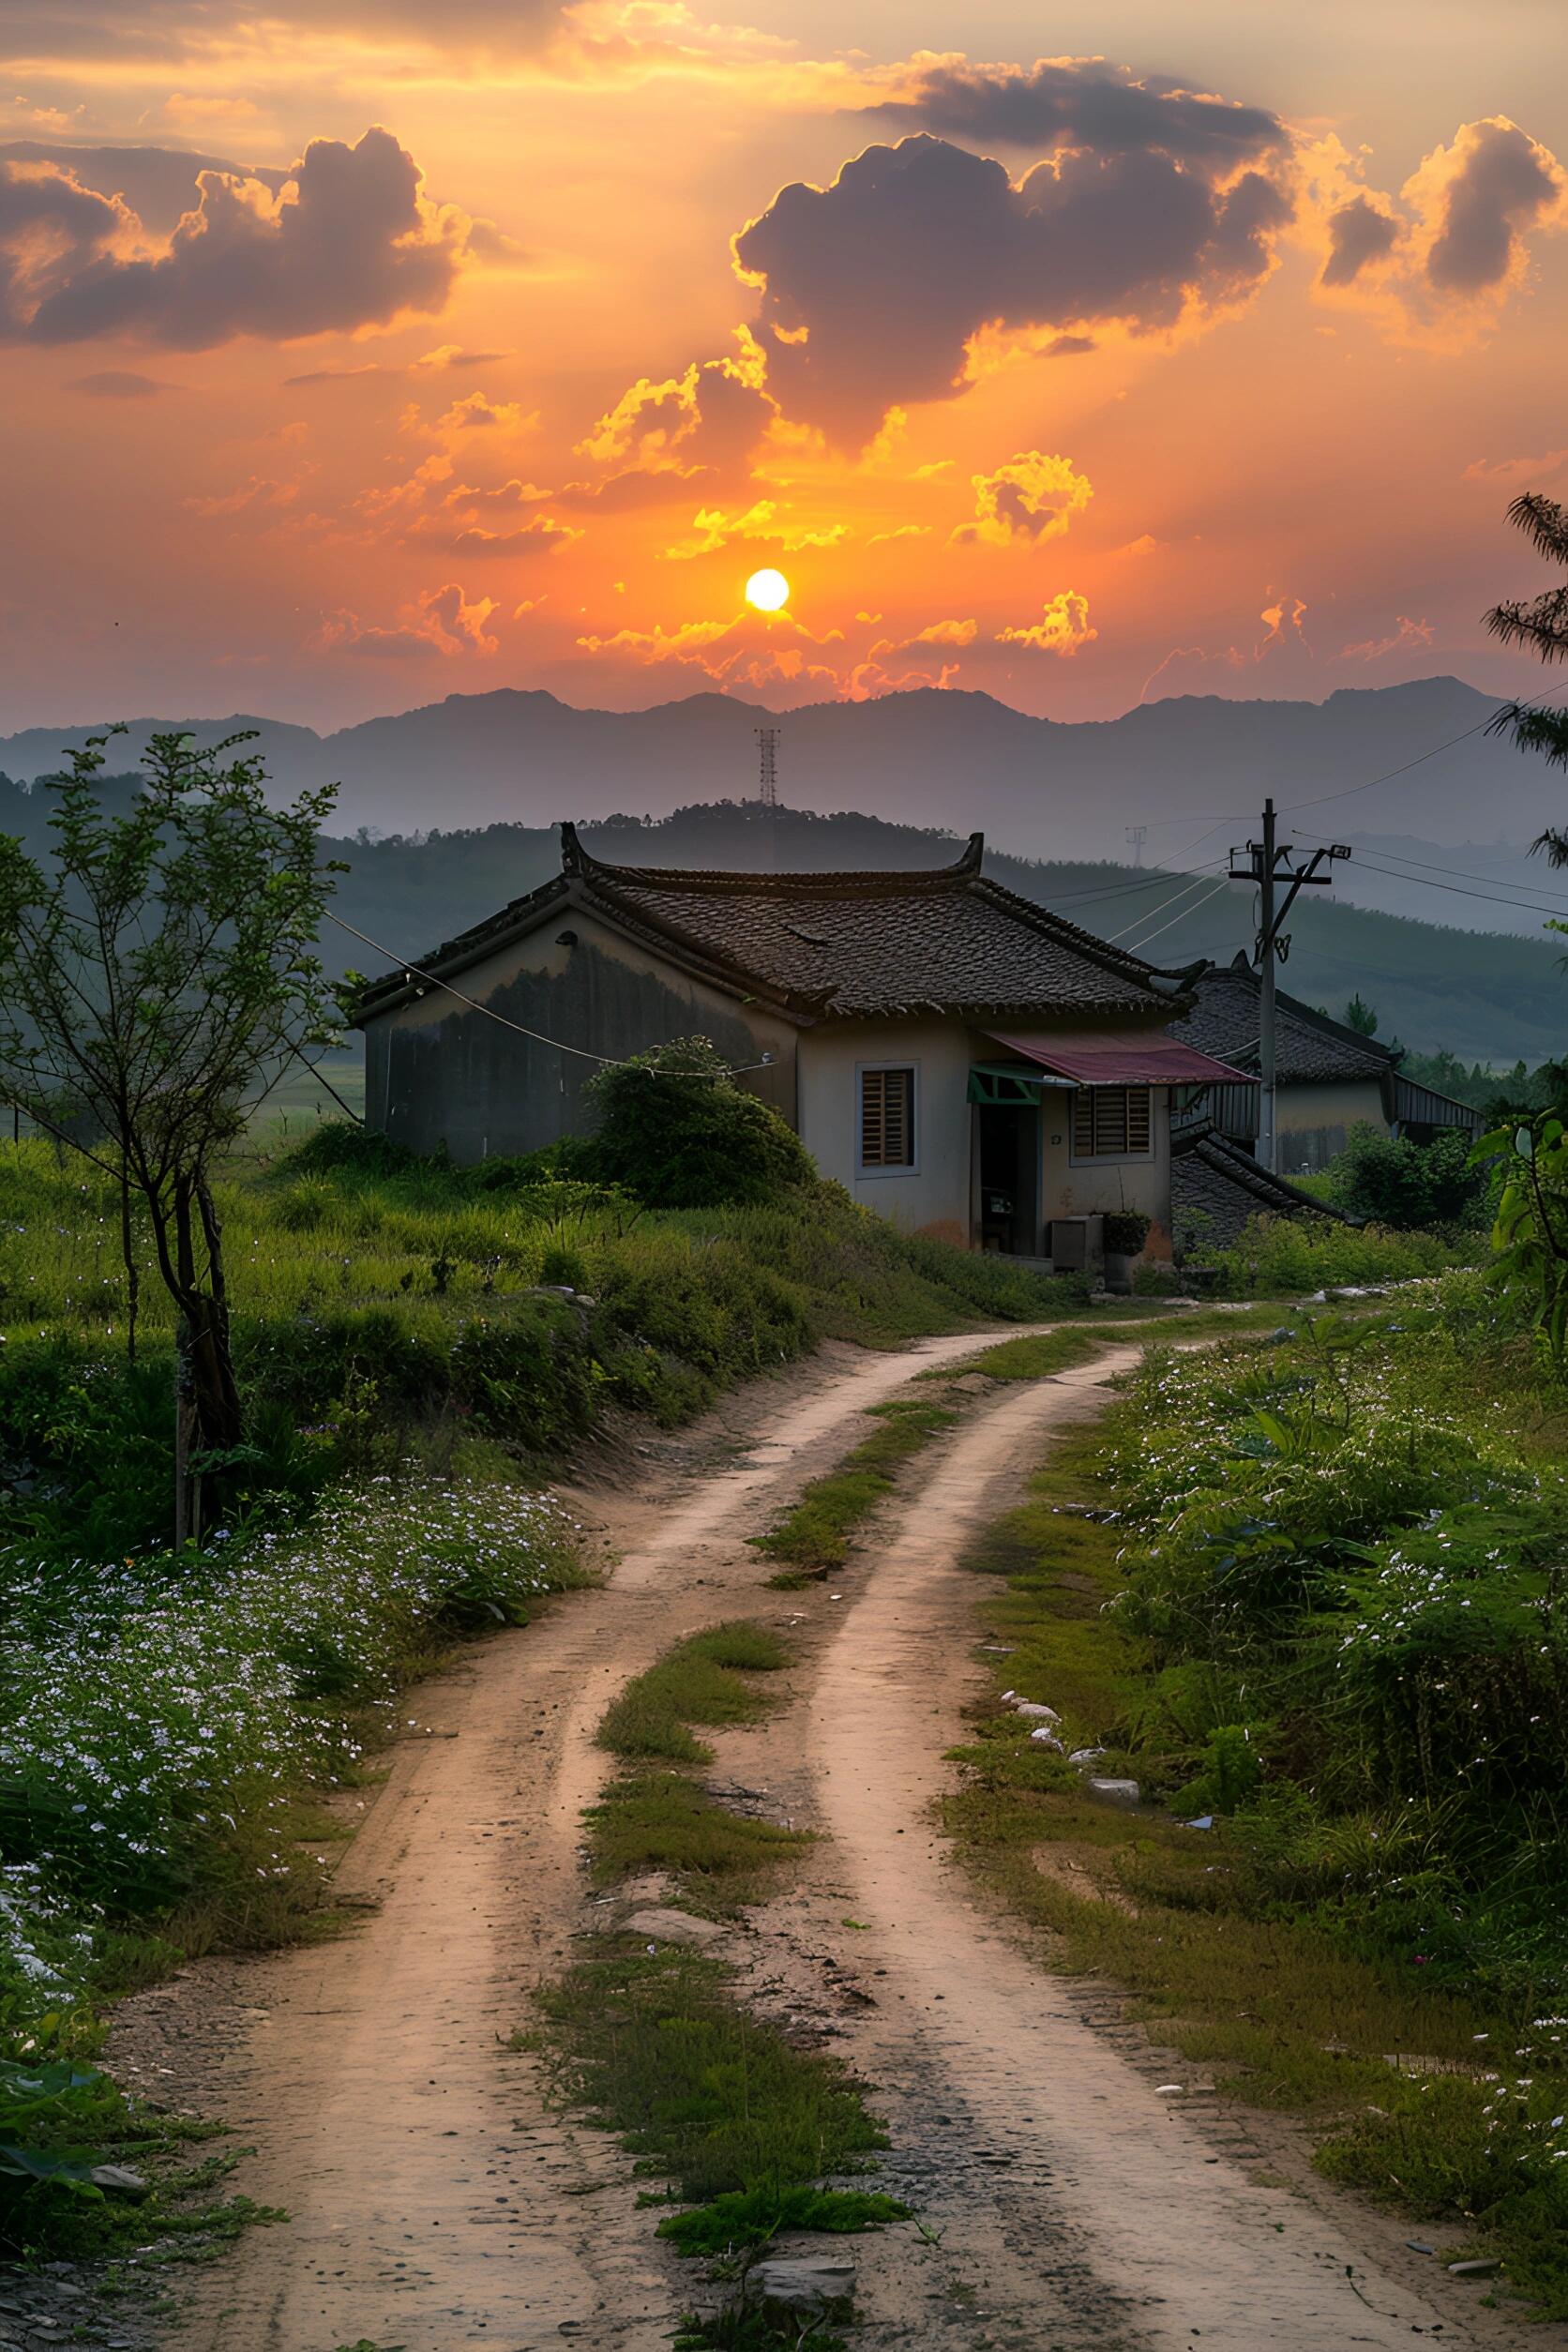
1086	102
913	248
157	183
118	383
349	244
1359	233
1502	183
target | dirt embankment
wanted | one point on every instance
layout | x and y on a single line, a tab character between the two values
436	2201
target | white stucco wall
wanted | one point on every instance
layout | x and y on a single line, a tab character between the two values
1075	1188
932	1196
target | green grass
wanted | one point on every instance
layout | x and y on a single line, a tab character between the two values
708	2098
1033	1357
664	1821
699	1681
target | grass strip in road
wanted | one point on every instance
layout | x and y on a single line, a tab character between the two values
650	1818
815	1533
666	1821
744	2128
698	1681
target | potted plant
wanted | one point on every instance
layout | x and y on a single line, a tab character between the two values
1124	1234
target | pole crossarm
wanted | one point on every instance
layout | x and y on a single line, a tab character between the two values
1269	864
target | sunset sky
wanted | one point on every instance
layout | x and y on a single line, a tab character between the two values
498	341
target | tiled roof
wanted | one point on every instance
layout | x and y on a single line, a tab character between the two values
847	944
1226	1187
1310	1048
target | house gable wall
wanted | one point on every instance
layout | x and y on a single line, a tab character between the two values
933	1197
1314	1121
437	1071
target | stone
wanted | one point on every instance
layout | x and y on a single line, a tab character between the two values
820	2285
1035	1710
1086	1756
118	2180
674	1928
1044	1736
1485	2267
1115	1792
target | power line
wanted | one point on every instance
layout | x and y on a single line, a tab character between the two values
1457	890
1138	944
1113	935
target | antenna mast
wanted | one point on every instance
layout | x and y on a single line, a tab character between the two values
767	740
1136	835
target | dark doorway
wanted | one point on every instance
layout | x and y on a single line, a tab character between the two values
1009	1177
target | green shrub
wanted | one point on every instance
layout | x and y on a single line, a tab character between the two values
1391	1180
1296	1254
675	1130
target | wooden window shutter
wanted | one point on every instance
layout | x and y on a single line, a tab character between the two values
1111	1122
887	1118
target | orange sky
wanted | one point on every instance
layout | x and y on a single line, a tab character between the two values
1203	356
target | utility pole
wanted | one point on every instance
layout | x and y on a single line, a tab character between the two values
1268	865
1136	835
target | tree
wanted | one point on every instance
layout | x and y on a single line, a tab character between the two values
1531	1237
158	967
1542	624
1361	1018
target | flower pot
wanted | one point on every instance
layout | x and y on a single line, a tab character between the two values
1118	1272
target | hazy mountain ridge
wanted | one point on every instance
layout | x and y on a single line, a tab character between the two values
1040	787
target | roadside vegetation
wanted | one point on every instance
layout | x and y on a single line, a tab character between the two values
1309	1596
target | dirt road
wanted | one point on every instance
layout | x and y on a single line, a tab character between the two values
435	2201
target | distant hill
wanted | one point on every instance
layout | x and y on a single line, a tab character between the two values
1485	998
1041	788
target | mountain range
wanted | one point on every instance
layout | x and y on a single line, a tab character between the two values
1409	760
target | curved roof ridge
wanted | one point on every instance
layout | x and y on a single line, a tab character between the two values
884	881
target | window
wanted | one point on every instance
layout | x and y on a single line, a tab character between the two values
1111	1122
887	1119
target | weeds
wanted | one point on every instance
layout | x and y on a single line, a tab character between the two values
1309	1592
663	1821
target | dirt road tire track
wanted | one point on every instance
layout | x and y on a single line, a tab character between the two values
436	2200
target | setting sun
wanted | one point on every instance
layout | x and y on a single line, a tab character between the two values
769	590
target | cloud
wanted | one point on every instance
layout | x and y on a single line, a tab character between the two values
119	384
915	249
441	621
1032	497
1408	637
945	633
904	531
711	418
542	536
1283	619
1509	472
1360	234
1062	628
475	413
713	529
338	375
346	242
750	650
1080	102
1436	266
454	356
1479	197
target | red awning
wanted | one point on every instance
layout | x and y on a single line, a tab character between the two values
1147	1058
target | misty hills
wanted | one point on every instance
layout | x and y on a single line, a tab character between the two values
1039	787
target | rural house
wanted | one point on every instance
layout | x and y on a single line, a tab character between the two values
1329	1077
961	1059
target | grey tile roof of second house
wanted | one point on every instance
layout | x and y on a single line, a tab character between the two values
1216	1190
846	945
1310	1047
